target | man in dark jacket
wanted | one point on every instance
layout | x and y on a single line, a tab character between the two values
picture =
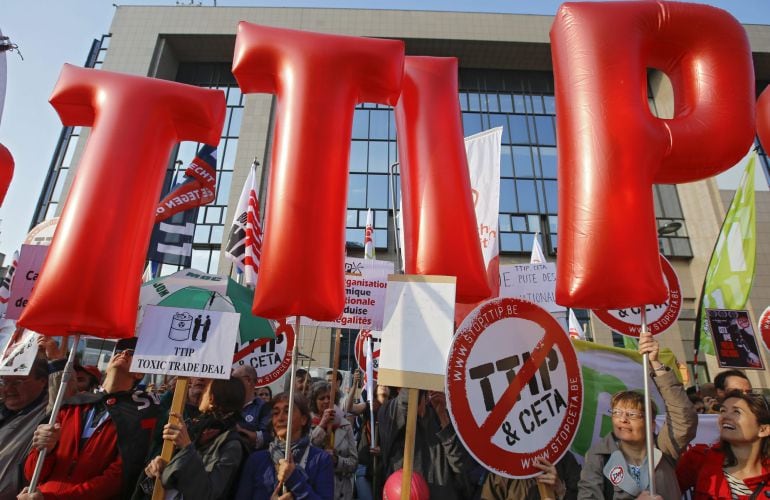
97	447
438	453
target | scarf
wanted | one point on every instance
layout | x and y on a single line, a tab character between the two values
299	450
214	420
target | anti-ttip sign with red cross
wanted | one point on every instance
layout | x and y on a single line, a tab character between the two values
514	386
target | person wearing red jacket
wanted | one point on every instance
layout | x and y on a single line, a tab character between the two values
739	465
97	447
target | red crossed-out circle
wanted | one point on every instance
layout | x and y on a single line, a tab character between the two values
764	327
477	436
360	349
661	324
282	329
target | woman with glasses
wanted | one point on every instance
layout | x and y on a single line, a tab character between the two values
738	466
616	467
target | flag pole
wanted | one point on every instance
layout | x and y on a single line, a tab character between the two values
66	376
397	242
648	409
292	378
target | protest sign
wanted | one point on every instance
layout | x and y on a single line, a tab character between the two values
269	357
31	260
359	350
186	342
659	316
734	340
18	349
417	332
535	283
514	388
366	282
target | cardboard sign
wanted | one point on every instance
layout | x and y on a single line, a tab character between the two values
659	317
419	322
366	282
514	387
359	350
764	327
18	349
734	340
532	282
31	259
269	357
186	342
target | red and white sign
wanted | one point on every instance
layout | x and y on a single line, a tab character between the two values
764	328
514	387
270	357
360	350
660	317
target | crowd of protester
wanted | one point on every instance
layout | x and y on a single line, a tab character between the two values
230	440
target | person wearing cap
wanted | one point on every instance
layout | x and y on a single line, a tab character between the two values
97	447
88	377
22	409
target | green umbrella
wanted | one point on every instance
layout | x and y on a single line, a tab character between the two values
194	289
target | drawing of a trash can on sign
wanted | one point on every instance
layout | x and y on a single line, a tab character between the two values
181	324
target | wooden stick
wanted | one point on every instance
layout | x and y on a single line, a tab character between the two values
333	390
411	428
546	492
177	406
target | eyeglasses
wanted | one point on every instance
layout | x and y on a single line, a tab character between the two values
13	382
631	415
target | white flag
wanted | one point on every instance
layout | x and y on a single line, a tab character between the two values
369	236
537	251
483	150
370	383
6	283
244	245
575	330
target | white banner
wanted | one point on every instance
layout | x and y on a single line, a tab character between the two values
533	282
18	349
186	342
483	150
366	282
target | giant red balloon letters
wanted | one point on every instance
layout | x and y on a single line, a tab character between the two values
90	280
440	231
612	149
6	171
318	79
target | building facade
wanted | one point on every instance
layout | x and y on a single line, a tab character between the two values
505	79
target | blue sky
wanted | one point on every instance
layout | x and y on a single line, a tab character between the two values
50	33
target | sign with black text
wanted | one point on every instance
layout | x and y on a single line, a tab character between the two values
31	259
532	282
734	341
514	387
271	358
186	342
18	349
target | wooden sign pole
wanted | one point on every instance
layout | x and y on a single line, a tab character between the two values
177	406
411	428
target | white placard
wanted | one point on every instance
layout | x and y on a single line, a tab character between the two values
18	349
186	342
418	329
366	282
533	282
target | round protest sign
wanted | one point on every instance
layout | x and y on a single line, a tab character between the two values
513	385
42	234
764	327
360	350
659	316
270	357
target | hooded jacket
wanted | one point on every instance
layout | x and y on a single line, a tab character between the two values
700	467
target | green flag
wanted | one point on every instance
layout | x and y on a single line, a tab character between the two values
731	269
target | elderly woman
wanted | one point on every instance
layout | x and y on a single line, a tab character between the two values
308	474
616	467
739	465
334	433
210	450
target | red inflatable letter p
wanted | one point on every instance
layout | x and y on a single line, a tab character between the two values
612	149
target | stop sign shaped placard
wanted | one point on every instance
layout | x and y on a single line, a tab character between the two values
514	387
